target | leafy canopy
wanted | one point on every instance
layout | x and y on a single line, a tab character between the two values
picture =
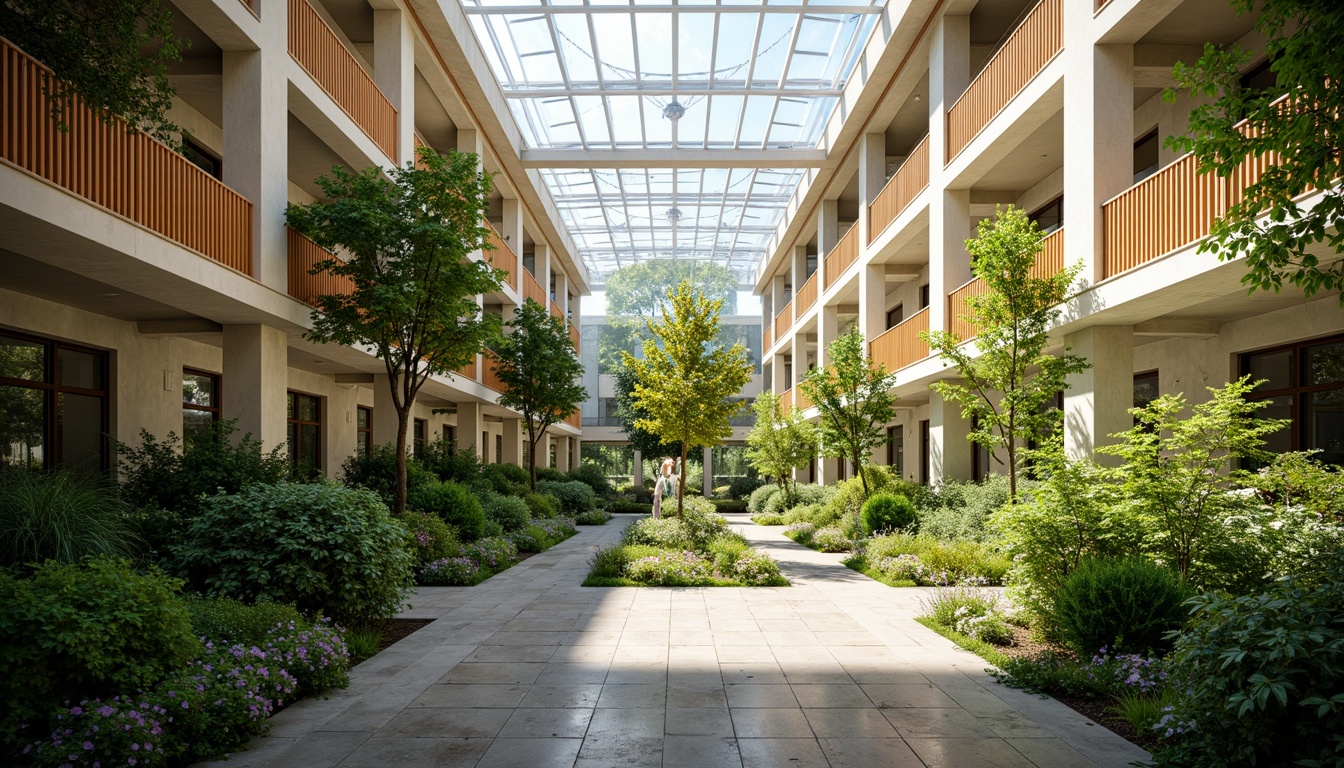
1280	239
855	401
540	372
1008	379
687	376
636	293
630	413
113	54
780	442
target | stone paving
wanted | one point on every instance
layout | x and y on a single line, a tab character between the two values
531	670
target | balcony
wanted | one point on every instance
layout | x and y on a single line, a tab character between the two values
574	420
574	337
807	295
489	378
900	345
317	49
304	254
901	190
1048	262
533	290
467	371
783	321
1037	40
502	257
844	254
767	337
123	171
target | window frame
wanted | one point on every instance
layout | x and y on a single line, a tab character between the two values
1297	389
895	454
899	312
925	436
53	449
297	422
419	435
364	435
217	410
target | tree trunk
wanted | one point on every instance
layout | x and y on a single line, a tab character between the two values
863	479
681	484
403	417
532	457
1012	472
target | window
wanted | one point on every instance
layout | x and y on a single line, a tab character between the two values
499	449
305	434
896	449
54	400
895	315
419	434
200	401
924	452
1145	388
550	455
485	447
450	436
923	296
1146	156
202	158
1050	216
364	431
1304	383
1259	77
980	456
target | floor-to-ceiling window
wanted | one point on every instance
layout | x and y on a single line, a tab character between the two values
1303	383
53	404
305	433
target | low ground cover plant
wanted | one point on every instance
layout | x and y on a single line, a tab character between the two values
902	559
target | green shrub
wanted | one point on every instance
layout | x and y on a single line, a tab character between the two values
666	532
831	539
377	471
756	502
542	505
848	496
741	487
1259	678
68	632
510	512
173	474
958	510
455	504
1125	605
430	537
363	643
549	475
442	459
729	507
767	518
226	621
507	479
972	612
595	517
804	513
591	475
629	508
800	532
702	521
888	512
575	498
726	550
612	561
61	516
323	547
941	563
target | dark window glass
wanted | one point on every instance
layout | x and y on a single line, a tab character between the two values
364	431
420	431
1050	216
22	359
1323	424
1146	157
924	452
23	427
896	450
450	434
980	457
53	405
200	401
1259	77
305	433
1145	389
80	369
485	443
499	448
923	296
1323	364
202	158
1305	385
1276	368
80	419
895	315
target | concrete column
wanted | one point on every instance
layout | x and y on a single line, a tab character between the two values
638	471
469	140
513	442
949	209
541	265
799	269
1097	401
872	177
828	329
778	383
707	484
256	130
872	300
470	425
255	375
561	452
561	291
950	450
394	74
577	452
1098	134
828	233
385	414
777	289
339	433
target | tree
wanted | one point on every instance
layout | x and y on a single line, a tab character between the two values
1009	379
1301	118
540	372
687	375
635	294
630	413
780	442
112	54
855	401
406	233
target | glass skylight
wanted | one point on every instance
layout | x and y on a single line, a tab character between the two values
616	89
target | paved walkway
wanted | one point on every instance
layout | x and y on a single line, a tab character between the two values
531	670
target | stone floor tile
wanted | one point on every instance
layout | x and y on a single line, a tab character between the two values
618	751
321	750
700	752
260	751
530	753
745	654
870	753
811	672
774	753
633	696
579	695
866	723
907	695
513	653
1050	753
960	752
470	695
697	696
631	722
548	723
571	672
830	695
761	696
769	723
416	752
494	673
752	674
458	722
698	721
649	673
935	723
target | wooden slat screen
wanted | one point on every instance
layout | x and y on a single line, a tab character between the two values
901	346
303	254
502	257
556	311
120	169
785	401
807	295
783	321
1049	261
767	338
575	420
533	290
317	49
1030	47
488	376
467	371
845	253
574	337
1168	210
905	185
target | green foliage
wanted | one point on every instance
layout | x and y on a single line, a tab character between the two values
325	548
849	495
1259	678
641	289
1296	480
591	475
959	510
506	479
780	442
934	562
550	475
97	628
113	55
1008	379
661	532
406	234
630	413
61	516
594	517
1176	471
761	496
888	512
540	370
226	621
972	612
377	471
854	398
1126	605
542	505
743	486
363	643
688	378
979	647
1232	125
431	538
455	505
575	497
612	562
448	463
510	512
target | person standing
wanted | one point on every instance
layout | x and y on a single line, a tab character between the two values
666	484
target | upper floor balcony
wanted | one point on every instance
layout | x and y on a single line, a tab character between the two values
1048	262
900	191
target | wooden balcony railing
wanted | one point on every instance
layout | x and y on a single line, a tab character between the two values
574	420
786	400
1031	46
304	286
317	49
901	346
533	290
467	371
845	253
807	295
783	321
800	400
909	180
556	311
574	337
488	376
502	257
767	337
124	171
1048	262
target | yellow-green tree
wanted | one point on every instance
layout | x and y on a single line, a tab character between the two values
688	375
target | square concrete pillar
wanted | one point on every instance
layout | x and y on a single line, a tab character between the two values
340	436
1097	401
513	442
470	429
255	382
828	234
872	178
828	330
872	301
950	449
385	415
949	209
561	452
638	478
394	74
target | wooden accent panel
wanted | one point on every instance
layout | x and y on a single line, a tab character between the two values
488	376
533	290
901	346
1168	210
785	400
317	49
502	257
467	371
556	311
903	187
303	254
122	170
800	399
1031	46
783	321
1049	261
807	295
574	337
767	338
845	253
574	420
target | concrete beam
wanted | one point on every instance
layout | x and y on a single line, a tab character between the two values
672	158
1184	327
177	327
